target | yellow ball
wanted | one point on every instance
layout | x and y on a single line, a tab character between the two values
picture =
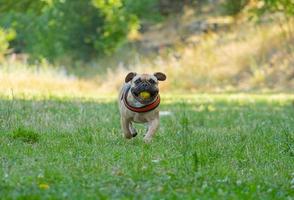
144	95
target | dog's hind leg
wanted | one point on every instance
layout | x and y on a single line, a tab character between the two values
125	124
133	130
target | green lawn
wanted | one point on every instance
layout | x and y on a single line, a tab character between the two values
208	147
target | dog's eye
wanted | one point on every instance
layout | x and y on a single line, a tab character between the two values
152	81
137	81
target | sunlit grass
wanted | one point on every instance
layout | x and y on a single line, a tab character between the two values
32	82
20	79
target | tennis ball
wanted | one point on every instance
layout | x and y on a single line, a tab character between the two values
144	95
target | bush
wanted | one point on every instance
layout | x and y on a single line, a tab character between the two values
144	9
233	7
5	37
81	29
284	6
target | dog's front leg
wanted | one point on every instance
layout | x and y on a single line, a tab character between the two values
152	127
133	130
125	124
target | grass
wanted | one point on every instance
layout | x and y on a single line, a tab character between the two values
25	135
209	147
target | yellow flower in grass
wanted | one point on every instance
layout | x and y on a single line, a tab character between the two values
43	186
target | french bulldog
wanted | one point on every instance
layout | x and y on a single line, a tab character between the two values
139	102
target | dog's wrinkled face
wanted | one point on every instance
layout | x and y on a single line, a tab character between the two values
145	83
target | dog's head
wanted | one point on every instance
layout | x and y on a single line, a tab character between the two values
144	84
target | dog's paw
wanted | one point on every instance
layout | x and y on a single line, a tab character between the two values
147	139
129	136
135	134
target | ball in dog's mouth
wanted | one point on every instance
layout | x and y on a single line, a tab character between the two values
144	95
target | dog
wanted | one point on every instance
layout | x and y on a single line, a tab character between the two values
139	102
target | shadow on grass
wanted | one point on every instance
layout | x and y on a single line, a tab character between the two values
25	135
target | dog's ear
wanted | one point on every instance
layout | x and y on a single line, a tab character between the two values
160	76
130	76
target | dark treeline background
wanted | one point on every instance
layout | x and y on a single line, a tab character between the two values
85	29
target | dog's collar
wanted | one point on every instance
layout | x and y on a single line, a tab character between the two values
142	109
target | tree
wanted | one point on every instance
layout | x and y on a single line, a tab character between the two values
56	28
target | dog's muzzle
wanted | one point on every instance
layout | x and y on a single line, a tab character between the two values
145	87
145	108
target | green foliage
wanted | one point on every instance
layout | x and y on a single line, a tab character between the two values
5	37
117	24
146	10
284	6
23	5
85	29
80	29
233	7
